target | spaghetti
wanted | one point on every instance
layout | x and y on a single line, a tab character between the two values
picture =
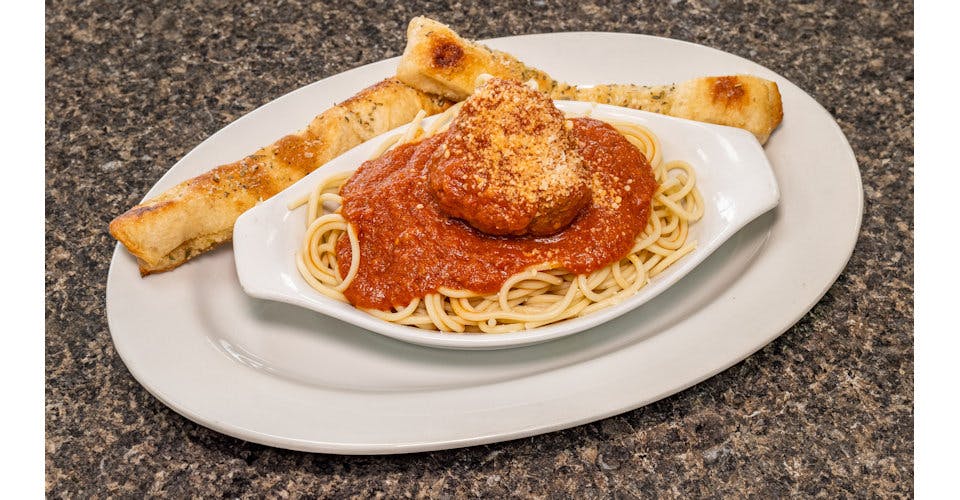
540	295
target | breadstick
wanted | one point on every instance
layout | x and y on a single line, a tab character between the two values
198	214
439	61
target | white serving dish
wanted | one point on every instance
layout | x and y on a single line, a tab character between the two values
733	175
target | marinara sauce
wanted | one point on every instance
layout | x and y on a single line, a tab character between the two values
409	248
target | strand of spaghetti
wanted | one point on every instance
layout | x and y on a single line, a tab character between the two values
679	192
454	323
328	250
586	289
651	261
320	287
626	276
673	224
335	179
673	221
698	206
530	274
639	281
318	228
495	328
418	317
590	282
487	304
414	128
463	303
659	250
418	320
510	316
395	316
674	239
672	205
384	146
645	140
313	205
673	257
331	198
668	185
315	202
691	204
524	290
545	298
443	119
437	315
648	238
618	276
448	310
413	131
689	177
354	258
570	312
599	277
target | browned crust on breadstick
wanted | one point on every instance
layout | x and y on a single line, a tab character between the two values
198	214
438	60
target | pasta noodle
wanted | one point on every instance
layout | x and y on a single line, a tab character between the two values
538	296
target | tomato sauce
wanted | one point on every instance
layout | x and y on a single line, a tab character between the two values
409	248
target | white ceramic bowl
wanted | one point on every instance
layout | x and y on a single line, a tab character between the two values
733	175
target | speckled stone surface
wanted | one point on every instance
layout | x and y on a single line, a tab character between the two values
826	409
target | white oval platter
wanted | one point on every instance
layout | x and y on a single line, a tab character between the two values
286	376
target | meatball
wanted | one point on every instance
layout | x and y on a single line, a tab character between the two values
509	164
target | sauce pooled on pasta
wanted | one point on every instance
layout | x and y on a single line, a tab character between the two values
411	244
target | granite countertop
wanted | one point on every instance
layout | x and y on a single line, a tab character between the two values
827	408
